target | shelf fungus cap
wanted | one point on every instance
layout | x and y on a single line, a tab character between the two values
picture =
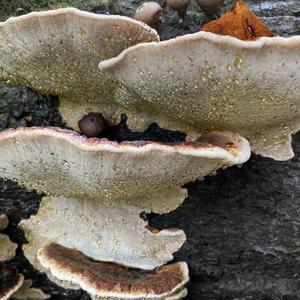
10	281
204	82
105	186
27	292
57	52
60	162
7	247
102	279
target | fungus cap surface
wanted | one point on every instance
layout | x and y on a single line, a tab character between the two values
111	233
26	292
203	82
7	247
103	279
61	162
57	52
104	186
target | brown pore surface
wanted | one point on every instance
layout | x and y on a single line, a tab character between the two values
109	277
239	22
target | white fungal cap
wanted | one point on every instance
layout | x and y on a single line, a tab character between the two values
26	292
7	247
107	280
148	175
57	52
97	189
106	232
203	82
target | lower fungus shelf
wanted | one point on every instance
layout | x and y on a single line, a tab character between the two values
97	189
112	234
10	282
102	279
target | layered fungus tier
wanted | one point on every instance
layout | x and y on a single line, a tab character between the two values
96	192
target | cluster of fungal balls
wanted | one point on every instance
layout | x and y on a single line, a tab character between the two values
151	12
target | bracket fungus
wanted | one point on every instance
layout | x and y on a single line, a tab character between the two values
27	292
7	247
13	286
102	279
10	282
57	52
203	82
95	191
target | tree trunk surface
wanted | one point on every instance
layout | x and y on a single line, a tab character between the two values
242	225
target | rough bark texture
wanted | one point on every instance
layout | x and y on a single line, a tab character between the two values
243	225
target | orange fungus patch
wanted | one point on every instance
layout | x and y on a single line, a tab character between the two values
239	22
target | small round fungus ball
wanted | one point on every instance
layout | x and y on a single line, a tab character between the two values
180	6
149	13
92	125
210	7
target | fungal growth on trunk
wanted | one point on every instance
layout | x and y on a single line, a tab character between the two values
89	228
103	279
10	281
206	81
7	247
12	284
57	52
27	292
196	83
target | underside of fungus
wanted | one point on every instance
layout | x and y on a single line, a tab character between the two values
203	82
96	191
102	279
57	52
